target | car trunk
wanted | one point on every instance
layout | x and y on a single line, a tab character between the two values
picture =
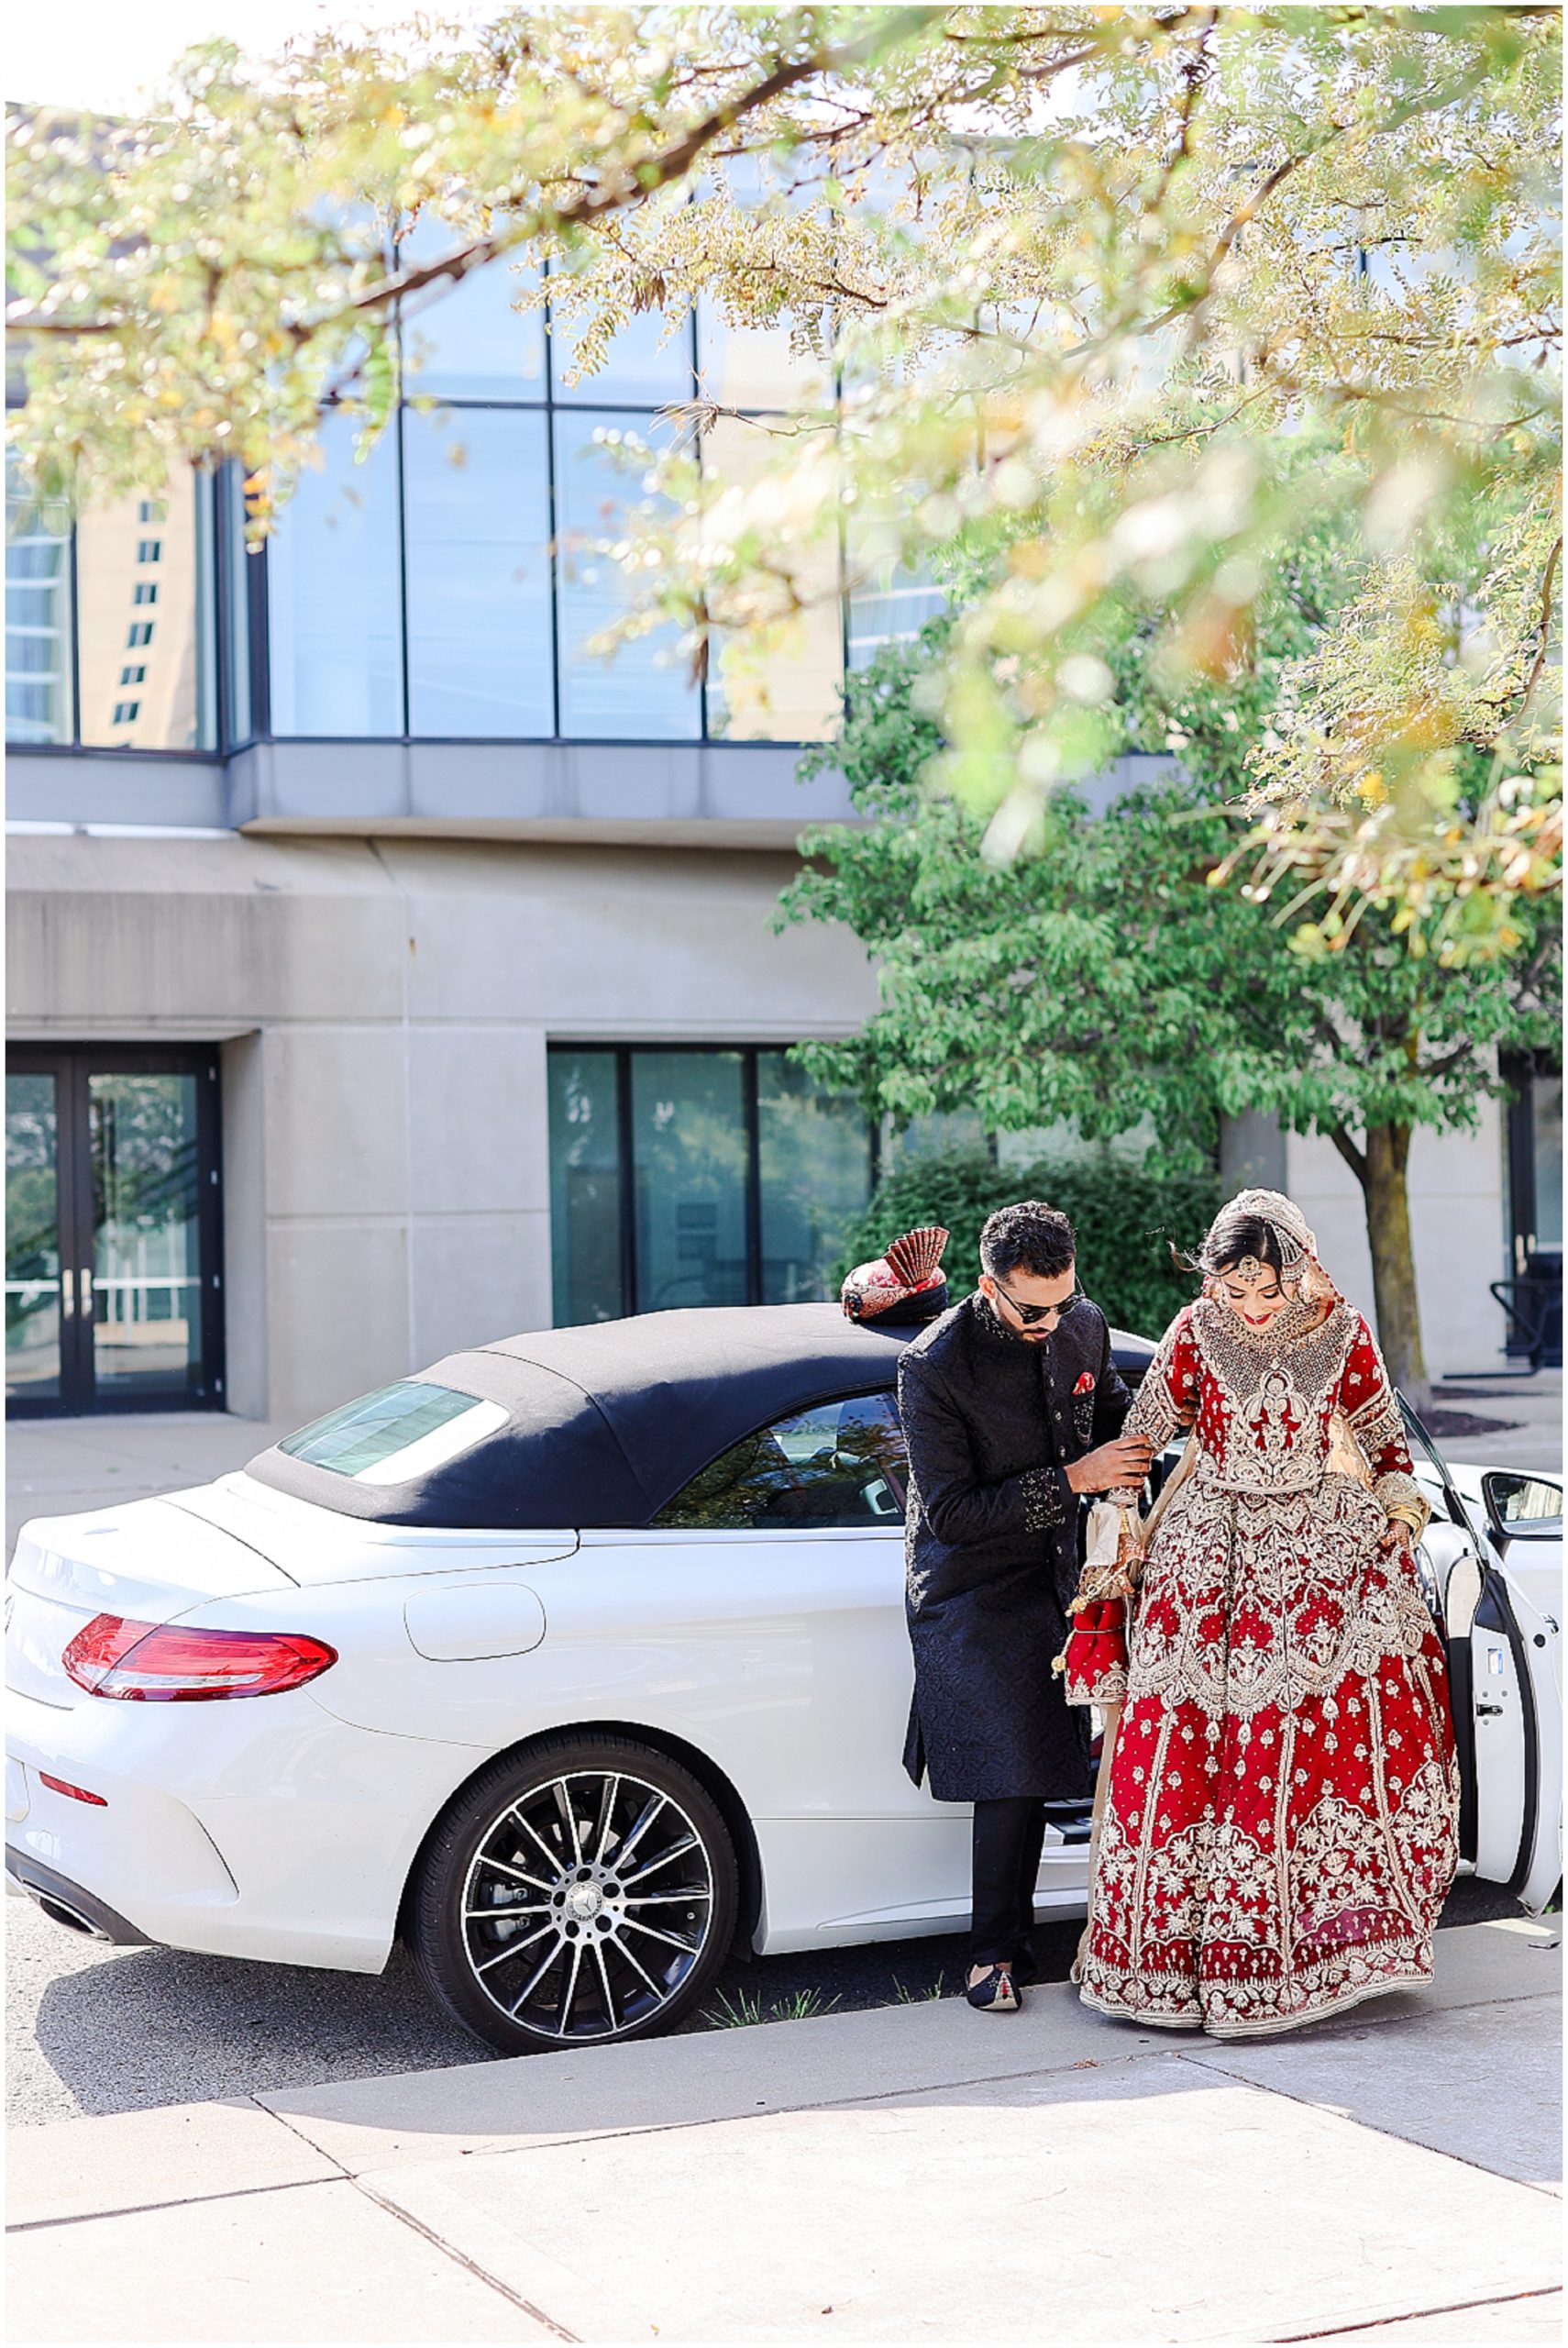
149	1562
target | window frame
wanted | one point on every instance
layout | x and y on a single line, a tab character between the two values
750	1053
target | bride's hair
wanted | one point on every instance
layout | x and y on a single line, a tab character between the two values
1230	1237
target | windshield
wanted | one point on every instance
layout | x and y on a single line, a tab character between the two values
397	1433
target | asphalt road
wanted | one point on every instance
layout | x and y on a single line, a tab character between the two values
92	2029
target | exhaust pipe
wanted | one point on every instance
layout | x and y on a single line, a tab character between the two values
63	1913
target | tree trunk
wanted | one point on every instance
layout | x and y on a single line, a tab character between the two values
1385	1159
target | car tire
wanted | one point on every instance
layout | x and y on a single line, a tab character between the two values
582	1890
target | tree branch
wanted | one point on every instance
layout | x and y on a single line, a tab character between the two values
1354	1159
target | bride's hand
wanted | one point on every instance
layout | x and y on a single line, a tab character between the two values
1396	1534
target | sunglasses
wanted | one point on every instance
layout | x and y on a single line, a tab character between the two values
1032	1314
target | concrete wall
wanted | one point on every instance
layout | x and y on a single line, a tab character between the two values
384	1007
1457	1221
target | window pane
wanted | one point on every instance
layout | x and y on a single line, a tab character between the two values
792	695
239	570
333	587
816	1176
372	1432
146	1268
32	1238
645	693
753	367
1546	1100
689	1158
585	1188
480	652
889	606
839	1463
642	368
467	340
38	615
162	588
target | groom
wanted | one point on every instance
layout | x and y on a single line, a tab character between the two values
1012	1407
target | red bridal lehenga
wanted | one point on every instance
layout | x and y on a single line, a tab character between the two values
1279	1829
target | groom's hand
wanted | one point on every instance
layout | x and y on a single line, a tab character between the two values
1123	1462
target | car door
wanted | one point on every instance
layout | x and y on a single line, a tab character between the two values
1505	1678
799	1530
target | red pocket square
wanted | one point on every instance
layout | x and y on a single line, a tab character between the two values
1086	1383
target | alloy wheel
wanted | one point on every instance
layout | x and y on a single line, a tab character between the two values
587	1904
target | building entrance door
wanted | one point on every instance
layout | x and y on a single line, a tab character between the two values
114	1296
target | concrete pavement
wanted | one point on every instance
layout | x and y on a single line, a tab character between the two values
61	1467
918	2173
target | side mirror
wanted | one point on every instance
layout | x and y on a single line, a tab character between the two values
1520	1507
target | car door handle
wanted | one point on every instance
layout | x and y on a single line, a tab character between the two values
1489	1708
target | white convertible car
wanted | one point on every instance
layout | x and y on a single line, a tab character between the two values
576	1662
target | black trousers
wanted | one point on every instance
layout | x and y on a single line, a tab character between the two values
1009	1836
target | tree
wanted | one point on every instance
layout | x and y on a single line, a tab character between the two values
1105	978
1088	274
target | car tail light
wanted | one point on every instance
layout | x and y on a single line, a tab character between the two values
77	1793
167	1664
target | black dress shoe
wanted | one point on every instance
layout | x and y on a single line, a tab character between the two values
994	1994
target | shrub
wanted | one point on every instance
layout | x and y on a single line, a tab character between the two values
1126	1221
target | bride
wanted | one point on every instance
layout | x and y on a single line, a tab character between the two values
1279	1830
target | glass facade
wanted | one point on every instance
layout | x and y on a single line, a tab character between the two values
110	634
692	1176
476	497
443	583
38	662
460	556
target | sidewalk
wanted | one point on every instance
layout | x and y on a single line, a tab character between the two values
61	1467
1531	1409
918	2173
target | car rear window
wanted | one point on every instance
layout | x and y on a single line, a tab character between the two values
399	1432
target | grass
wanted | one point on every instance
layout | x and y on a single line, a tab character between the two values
742	2010
919	1996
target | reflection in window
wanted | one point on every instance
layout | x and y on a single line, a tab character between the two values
837	1464
334	585
147	1287
33	1238
816	1173
890	607
740	1179
38	615
167	618
1546	1102
585	1188
792	695
645	365
645	693
467	340
476	483
752	366
688	1144
239	570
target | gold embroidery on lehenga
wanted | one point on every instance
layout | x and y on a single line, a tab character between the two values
1281	1827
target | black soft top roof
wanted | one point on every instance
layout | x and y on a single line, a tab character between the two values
607	1422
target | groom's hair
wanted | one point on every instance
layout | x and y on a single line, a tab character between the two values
1029	1238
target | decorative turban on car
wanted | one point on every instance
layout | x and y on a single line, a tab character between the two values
906	1284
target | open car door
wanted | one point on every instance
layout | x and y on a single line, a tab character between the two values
1506	1683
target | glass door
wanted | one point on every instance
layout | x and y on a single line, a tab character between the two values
113	1285
35	1318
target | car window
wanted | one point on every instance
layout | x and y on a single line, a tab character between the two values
840	1463
397	1433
